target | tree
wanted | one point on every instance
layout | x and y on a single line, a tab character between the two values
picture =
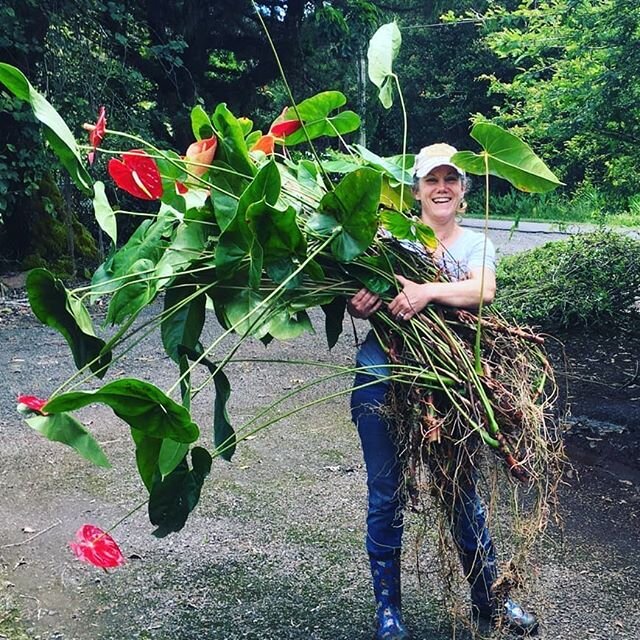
575	94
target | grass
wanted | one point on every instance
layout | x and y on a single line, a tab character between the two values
588	206
11	624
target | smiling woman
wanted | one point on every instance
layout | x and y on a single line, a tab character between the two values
468	258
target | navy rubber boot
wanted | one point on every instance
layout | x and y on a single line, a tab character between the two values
385	572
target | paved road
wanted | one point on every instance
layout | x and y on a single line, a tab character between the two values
509	239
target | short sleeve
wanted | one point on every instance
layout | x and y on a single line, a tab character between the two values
478	257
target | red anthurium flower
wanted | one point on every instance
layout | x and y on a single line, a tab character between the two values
266	144
281	127
95	546
96	133
32	403
181	188
137	173
201	153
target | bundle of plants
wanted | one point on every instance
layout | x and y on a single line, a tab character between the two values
258	238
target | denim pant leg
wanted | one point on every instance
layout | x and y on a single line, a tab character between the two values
384	470
472	537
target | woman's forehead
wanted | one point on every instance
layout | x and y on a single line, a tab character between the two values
443	170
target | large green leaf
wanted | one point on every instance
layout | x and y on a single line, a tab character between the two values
506	156
283	244
184	325
105	217
351	210
232	147
314	112
201	123
54	306
405	228
147	455
149	241
61	427
223	432
174	497
383	50
395	167
187	246
140	404
238	243
56	131
226	185
136	290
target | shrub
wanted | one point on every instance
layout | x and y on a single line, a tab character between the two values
589	280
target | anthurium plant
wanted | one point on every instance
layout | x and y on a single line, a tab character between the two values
252	232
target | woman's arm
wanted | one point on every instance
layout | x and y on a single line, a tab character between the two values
414	297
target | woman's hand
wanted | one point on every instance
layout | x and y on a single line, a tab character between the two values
411	300
364	304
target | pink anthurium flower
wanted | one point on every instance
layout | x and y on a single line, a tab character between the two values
32	403
201	153
137	173
96	133
266	144
95	546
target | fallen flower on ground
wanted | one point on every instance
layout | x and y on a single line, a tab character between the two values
95	546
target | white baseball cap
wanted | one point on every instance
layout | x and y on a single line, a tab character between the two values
435	155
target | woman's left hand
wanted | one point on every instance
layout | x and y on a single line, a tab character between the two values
411	300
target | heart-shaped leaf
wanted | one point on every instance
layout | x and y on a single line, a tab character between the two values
140	404
56	131
383	50
54	306
351	210
405	228
506	156
200	123
314	112
174	497
61	427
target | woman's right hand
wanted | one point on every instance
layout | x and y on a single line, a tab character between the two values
364	304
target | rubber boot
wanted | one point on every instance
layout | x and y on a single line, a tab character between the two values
385	573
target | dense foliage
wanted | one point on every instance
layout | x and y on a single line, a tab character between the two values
589	280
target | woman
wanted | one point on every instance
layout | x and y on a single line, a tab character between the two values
469	259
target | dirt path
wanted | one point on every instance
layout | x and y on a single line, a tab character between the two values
275	548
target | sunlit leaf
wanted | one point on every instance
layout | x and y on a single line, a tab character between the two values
61	427
200	123
403	227
506	156
383	50
315	113
105	217
56	131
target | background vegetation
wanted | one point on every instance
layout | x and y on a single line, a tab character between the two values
562	73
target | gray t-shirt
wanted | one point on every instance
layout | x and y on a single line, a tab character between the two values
472	250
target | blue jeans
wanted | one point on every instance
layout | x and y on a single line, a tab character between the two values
384	476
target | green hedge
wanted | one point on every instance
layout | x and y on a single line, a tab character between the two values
589	280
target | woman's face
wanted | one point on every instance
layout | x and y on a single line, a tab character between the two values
440	193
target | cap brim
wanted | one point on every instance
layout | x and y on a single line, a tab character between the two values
426	168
